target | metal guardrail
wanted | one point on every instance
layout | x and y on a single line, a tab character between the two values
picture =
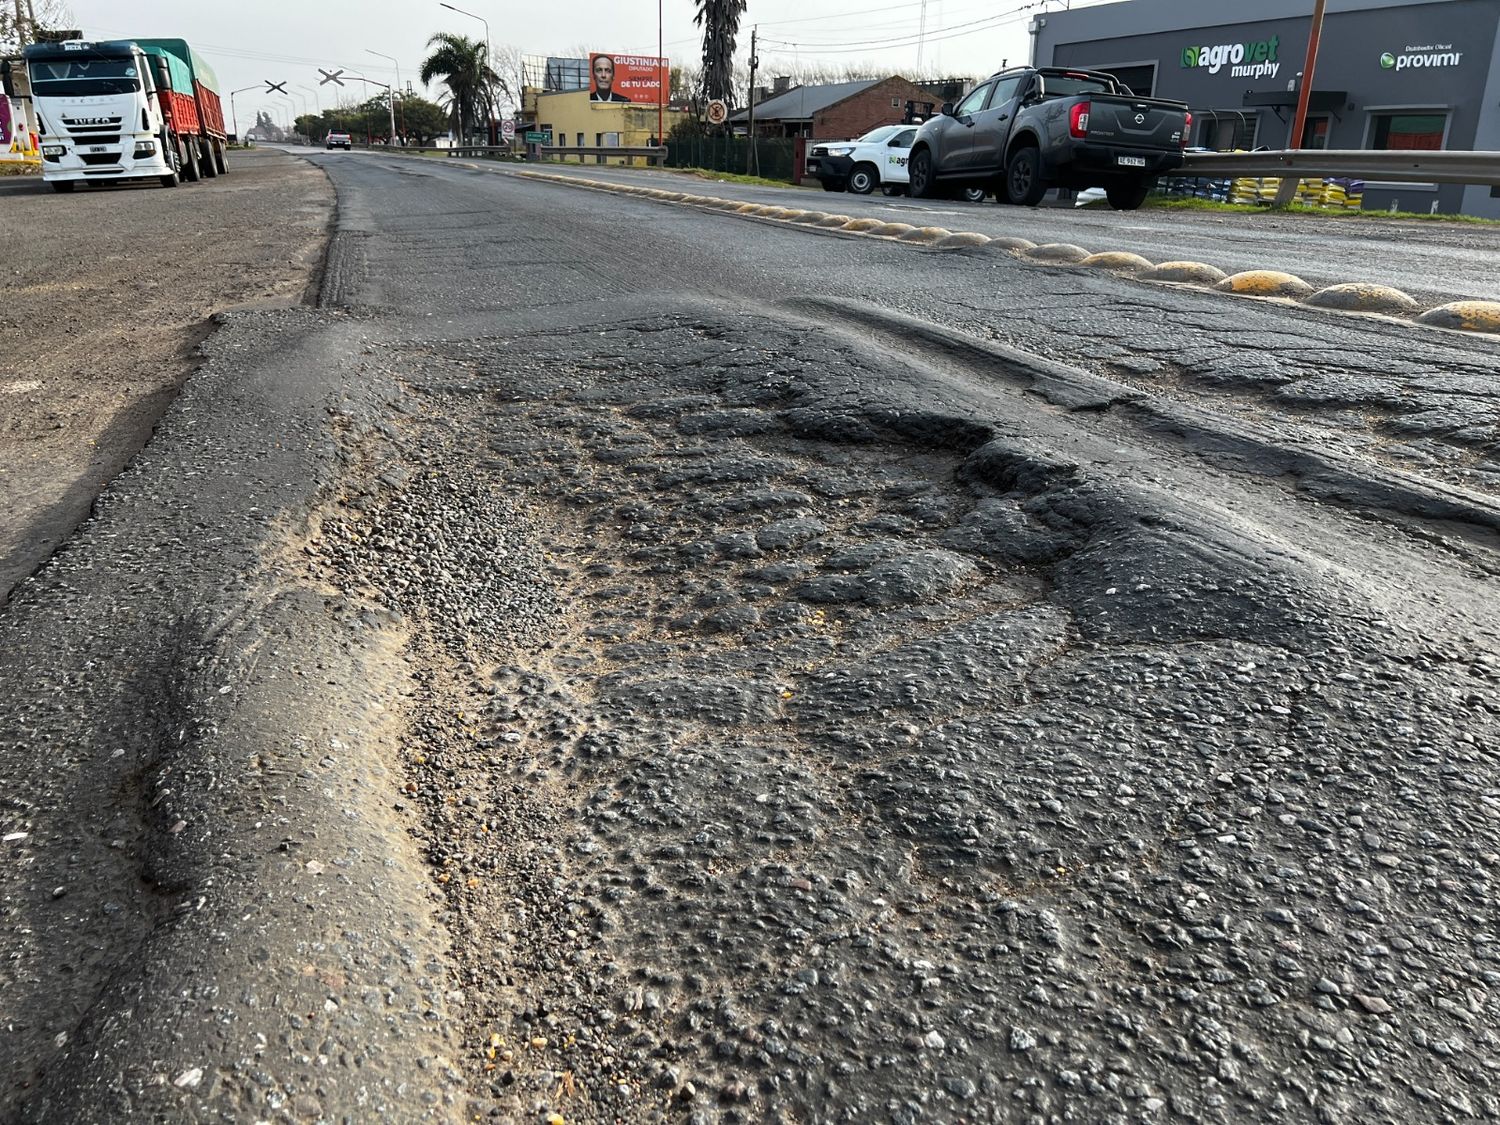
653	154
1404	166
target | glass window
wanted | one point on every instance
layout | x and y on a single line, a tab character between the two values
1315	133
84	77
1226	130
1065	85
1422	131
904	138
1005	90
975	101
885	132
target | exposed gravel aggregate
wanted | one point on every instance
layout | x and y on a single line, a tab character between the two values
912	777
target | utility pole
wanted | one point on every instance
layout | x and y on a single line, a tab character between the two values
751	153
921	38
1288	190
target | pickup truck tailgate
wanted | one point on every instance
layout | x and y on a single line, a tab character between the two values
1137	122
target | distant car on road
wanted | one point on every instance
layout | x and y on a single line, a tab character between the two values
877	159
340	140
1024	130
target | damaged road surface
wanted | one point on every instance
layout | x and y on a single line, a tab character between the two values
596	665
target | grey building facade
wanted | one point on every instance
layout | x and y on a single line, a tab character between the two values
1391	74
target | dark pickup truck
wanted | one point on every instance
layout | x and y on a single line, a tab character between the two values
1024	130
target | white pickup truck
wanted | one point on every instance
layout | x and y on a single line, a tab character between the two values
877	159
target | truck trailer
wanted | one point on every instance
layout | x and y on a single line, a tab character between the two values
129	109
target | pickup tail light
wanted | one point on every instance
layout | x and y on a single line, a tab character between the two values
1187	127
1078	120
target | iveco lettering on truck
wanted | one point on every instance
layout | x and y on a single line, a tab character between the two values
139	109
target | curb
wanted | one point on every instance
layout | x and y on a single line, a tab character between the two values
1481	317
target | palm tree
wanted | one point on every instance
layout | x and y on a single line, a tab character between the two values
720	21
463	65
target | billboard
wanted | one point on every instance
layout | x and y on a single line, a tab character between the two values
628	79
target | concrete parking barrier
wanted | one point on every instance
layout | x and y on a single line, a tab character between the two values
963	238
1009	242
1466	316
1190	273
1118	260
1364	297
1265	283
890	230
1057	252
925	234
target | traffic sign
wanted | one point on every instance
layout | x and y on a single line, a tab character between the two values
717	112
537	138
330	76
507	128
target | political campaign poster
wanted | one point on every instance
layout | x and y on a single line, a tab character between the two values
627	80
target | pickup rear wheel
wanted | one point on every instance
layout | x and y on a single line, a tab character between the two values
1024	185
919	169
974	194
1129	195
863	178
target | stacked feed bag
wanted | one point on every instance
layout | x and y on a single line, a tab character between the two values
1246	189
1310	192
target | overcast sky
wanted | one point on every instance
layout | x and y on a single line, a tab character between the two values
289	39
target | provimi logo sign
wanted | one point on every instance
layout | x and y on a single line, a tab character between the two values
1435	55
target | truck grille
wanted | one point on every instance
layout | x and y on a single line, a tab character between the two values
100	157
95	130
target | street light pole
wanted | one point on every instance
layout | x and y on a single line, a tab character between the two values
233	115
390	99
392	93
487	58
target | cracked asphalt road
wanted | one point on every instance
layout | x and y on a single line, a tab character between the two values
644	665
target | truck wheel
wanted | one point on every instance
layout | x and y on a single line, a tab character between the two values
1023	177
221	165
206	160
1129	195
187	160
862	179
63	185
919	169
171	179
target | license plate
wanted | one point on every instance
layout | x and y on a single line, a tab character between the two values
98	148
1131	161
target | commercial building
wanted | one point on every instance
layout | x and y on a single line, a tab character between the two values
1391	74
837	110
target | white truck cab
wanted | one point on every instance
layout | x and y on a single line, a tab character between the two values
98	113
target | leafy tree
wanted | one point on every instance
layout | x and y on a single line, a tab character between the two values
720	21
23	21
463	65
420	120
